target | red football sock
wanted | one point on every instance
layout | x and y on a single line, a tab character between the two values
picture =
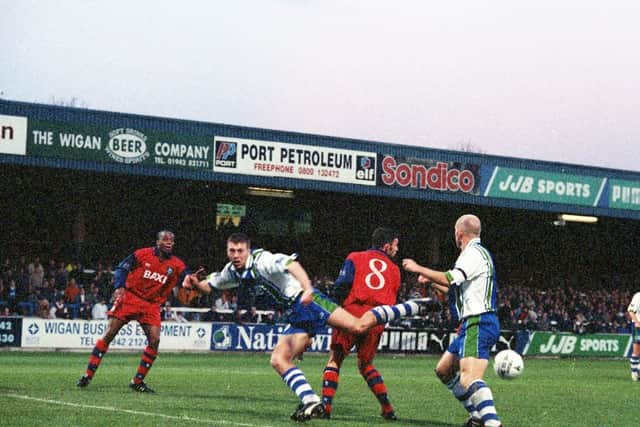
146	361
95	359
330	379
376	384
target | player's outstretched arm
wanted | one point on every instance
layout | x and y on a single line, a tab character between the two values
301	275
440	289
192	281
438	277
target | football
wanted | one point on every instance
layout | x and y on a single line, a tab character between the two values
508	364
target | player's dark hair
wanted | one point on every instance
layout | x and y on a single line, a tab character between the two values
162	233
239	238
382	236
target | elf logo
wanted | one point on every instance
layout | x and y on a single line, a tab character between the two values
365	168
226	154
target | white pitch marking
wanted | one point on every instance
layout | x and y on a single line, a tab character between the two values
130	411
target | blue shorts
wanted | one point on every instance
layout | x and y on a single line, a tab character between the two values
478	334
310	319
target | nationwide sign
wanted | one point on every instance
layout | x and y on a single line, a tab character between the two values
258	337
430	175
541	186
277	159
125	145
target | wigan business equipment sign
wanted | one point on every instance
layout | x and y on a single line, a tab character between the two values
78	334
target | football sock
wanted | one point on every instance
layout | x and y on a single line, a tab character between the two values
459	392
635	362
387	313
330	379
376	385
95	359
146	361
297	382
482	399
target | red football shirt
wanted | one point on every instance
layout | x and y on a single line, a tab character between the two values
376	279
153	279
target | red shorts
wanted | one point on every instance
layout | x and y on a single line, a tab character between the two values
128	307
366	344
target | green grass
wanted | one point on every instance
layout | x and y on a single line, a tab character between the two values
242	390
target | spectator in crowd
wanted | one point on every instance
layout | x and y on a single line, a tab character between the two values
187	297
99	310
59	310
22	279
61	275
71	296
94	296
50	270
71	292
250	316
12	296
167	314
43	305
36	273
213	316
84	305
222	302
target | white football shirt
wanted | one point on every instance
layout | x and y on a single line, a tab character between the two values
265	270
473	281
634	305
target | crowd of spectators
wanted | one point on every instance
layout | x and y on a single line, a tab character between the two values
58	289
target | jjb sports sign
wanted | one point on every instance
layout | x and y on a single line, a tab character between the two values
277	159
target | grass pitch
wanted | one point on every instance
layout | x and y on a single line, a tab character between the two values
241	390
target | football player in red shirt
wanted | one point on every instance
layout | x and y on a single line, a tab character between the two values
142	282
367	279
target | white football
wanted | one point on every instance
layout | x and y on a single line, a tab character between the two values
508	364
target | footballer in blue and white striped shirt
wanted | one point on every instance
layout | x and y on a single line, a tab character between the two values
634	312
472	281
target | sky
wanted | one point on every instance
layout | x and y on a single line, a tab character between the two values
555	80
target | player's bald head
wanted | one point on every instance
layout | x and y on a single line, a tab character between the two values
469	224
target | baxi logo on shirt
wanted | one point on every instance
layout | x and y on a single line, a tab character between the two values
152	275
226	154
